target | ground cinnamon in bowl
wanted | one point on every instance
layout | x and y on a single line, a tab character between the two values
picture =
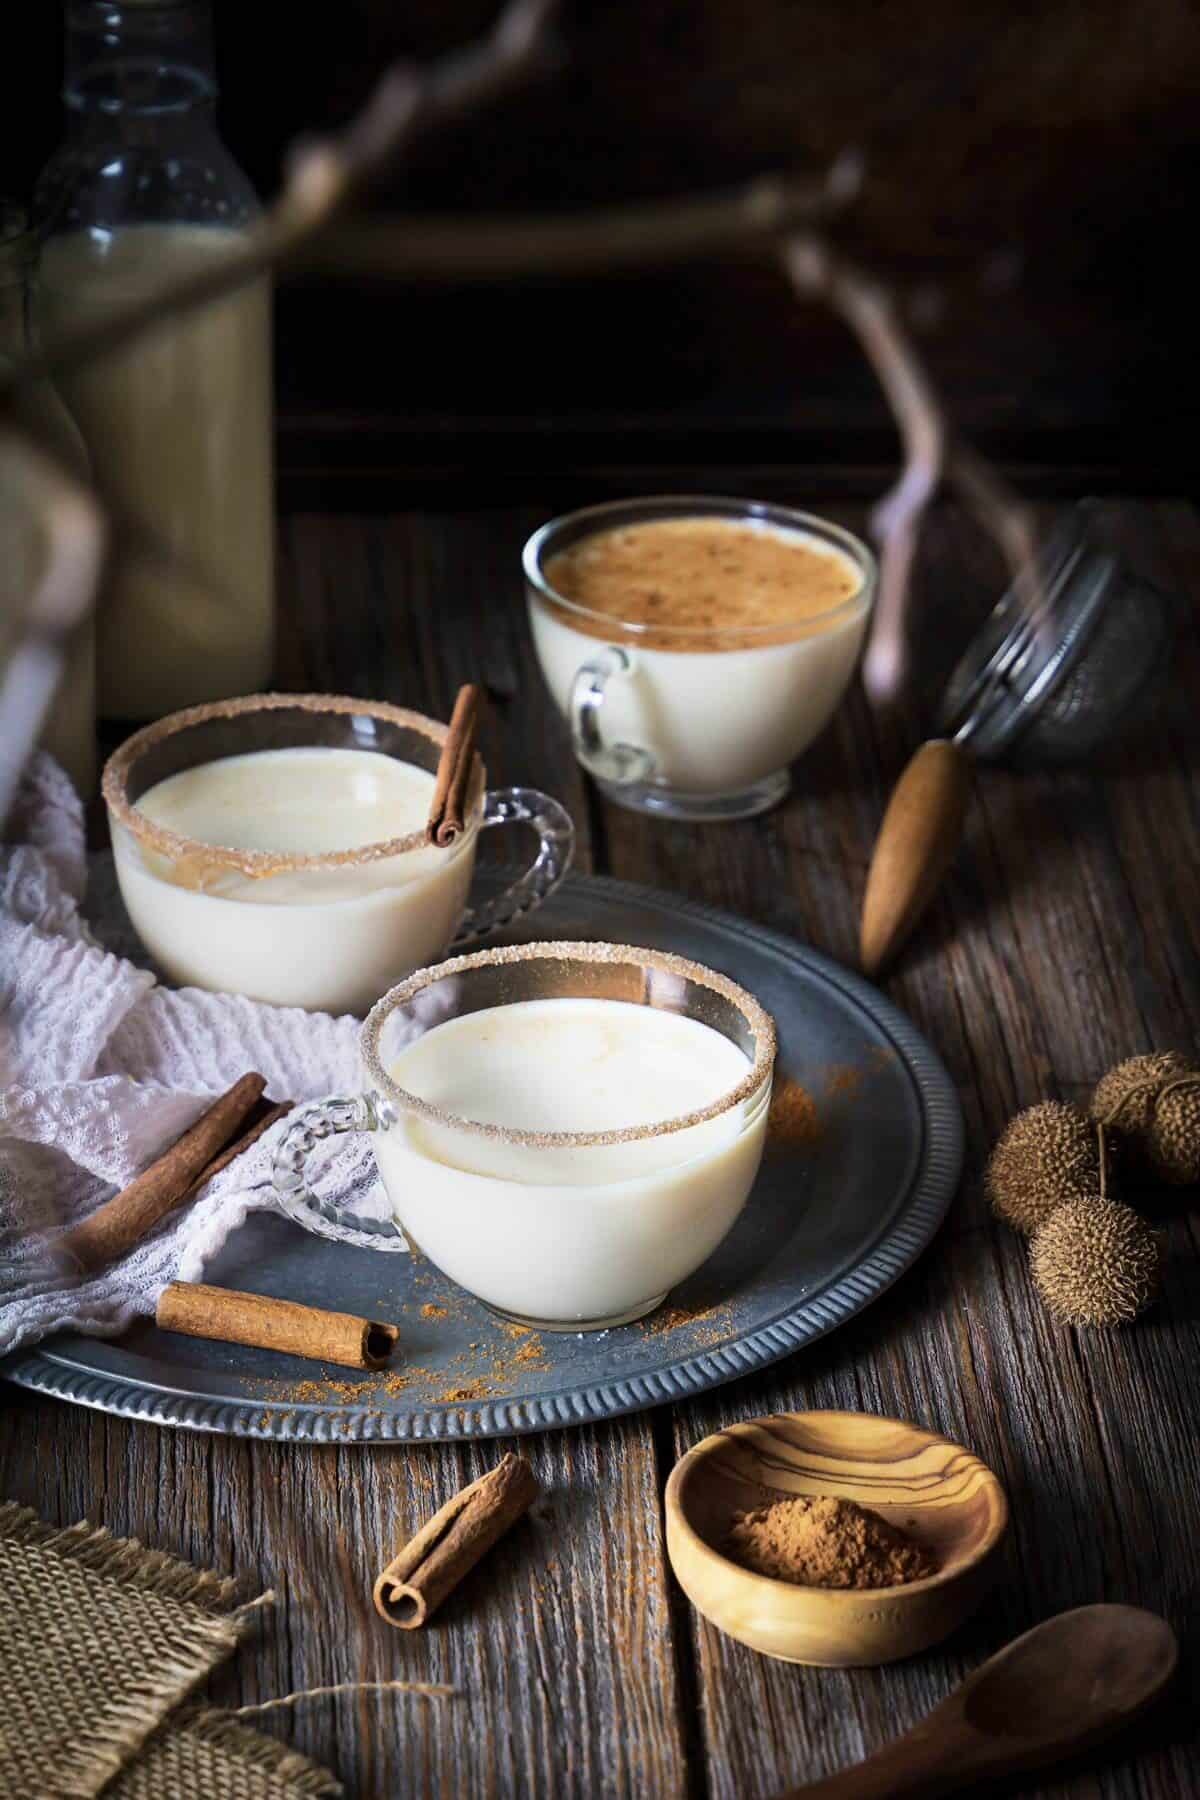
824	1542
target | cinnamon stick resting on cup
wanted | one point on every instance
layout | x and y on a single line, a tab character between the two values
446	821
203	1149
233	1317
418	1579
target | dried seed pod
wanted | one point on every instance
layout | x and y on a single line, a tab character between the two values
1173	1140
1047	1155
1152	1104
1096	1262
1124	1098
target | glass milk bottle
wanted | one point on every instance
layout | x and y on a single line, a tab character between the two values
179	422
69	732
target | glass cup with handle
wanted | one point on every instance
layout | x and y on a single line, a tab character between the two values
699	719
238	837
561	1229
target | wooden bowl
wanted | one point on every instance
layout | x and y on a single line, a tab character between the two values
941	1495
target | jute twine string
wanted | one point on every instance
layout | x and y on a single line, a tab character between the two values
428	1690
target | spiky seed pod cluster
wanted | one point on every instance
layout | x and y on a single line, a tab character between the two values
1047	1155
1152	1106
1096	1262
1093	1260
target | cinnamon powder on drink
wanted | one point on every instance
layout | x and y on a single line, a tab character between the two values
824	1542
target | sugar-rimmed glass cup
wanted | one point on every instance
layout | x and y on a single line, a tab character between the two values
690	721
562	1230
328	930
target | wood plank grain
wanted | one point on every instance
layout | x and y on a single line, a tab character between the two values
1024	982
559	1645
1068	935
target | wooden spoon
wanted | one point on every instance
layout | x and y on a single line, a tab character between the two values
1065	1685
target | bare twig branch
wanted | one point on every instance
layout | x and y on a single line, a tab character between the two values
932	454
325	175
867	309
743	220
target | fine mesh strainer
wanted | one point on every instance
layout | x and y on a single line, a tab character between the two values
1044	683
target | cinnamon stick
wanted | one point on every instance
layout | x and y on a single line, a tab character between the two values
260	1118
232	1317
129	1215
454	768
417	1580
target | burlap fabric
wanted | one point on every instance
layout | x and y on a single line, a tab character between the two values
206	1755
101	1643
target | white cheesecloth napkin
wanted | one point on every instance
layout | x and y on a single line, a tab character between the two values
102	1068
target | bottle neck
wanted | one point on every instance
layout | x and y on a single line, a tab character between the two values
139	59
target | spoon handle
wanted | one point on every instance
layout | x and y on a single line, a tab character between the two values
915	846
935	1757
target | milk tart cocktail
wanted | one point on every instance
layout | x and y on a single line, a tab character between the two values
696	646
275	846
567	1130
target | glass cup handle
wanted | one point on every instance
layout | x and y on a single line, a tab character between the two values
621	763
556	847
289	1172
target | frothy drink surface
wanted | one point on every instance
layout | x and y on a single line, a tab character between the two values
571	1065
300	802
706	577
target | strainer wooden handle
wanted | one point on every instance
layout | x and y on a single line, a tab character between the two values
916	844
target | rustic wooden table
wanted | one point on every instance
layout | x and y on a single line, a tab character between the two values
1069	937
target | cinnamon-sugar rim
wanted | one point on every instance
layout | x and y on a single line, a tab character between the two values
174	844
717	506
760	1022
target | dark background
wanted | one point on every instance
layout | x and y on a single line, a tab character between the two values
1030	180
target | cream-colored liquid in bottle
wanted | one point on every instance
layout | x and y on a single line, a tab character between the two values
178	426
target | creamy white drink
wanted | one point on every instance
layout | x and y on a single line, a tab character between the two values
575	1233
332	937
178	427
739	638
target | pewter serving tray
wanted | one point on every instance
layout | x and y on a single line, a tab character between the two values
830	1224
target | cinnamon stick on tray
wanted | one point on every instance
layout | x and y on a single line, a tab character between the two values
454	769
232	1317
129	1215
418	1579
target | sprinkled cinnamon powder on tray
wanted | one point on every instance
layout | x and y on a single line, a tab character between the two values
479	1372
792	1119
711	1323
471	1390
